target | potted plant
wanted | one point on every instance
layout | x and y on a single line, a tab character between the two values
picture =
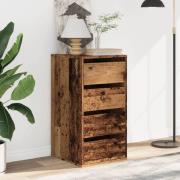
8	78
104	24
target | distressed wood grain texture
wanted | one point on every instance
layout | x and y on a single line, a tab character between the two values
60	106
104	73
108	148
106	98
89	122
61	7
55	115
76	136
104	124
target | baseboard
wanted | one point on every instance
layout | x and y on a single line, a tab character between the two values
148	142
27	154
44	151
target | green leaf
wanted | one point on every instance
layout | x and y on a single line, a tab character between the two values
13	52
7	126
8	73
1	68
5	35
9	82
24	88
23	110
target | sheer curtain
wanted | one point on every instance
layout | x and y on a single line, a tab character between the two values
61	7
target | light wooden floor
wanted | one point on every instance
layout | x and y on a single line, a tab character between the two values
33	169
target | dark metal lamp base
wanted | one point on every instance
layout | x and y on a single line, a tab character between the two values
165	144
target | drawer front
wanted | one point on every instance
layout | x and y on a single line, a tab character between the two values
104	98
103	124
104	73
104	149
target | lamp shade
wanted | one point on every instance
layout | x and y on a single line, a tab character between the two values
75	28
152	3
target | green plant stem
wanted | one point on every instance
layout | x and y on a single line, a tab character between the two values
106	23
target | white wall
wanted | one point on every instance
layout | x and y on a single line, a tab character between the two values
36	19
145	35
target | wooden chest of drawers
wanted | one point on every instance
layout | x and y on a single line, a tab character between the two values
89	108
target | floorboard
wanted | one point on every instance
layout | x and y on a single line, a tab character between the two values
41	167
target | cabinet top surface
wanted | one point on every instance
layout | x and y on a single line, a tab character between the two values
89	56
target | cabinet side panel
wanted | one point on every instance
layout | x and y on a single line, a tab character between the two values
55	128
126	101
76	110
52	106
64	107
60	107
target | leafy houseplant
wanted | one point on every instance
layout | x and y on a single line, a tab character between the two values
8	78
105	23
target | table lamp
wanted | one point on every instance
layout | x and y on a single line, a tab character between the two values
75	30
168	143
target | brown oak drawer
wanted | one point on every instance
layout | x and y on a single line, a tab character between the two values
101	149
104	98
104	73
103	124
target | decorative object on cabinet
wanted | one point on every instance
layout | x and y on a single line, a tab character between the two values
22	90
81	13
168	143
152	3
75	30
76	9
89	108
105	23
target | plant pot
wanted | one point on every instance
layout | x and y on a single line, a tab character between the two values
2	157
